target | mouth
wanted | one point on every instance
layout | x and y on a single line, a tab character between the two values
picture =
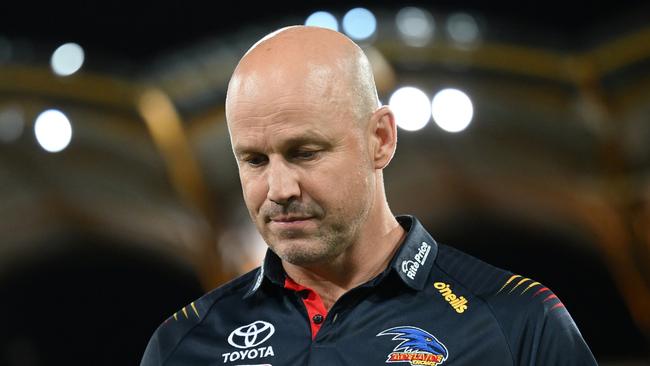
289	219
291	222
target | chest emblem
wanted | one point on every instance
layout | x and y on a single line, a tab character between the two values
416	347
248	339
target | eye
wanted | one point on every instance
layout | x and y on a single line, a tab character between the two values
304	154
255	160
428	339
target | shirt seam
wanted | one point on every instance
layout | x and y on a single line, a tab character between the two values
197	324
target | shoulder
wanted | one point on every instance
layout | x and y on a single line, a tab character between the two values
478	277
178	325
199	308
508	295
534	321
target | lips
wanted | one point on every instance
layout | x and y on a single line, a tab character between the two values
282	219
291	224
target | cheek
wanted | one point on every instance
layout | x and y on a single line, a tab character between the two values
253	190
339	185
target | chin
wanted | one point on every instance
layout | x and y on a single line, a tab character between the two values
300	253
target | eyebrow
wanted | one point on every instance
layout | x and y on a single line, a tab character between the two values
309	137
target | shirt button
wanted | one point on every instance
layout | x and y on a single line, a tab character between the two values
317	319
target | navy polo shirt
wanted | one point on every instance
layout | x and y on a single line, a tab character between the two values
433	305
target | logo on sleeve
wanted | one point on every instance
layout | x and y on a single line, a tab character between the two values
410	267
246	338
417	346
459	303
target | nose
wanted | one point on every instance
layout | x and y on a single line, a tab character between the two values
283	183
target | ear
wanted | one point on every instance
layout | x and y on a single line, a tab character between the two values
384	135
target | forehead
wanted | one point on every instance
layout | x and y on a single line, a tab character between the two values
273	101
257	125
267	109
257	106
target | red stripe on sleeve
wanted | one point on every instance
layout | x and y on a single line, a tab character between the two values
543	289
550	297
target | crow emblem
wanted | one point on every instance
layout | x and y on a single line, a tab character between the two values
417	346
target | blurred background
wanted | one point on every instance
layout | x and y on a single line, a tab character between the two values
524	139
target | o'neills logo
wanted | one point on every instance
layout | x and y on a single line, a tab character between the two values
458	303
410	267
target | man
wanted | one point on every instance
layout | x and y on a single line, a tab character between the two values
345	282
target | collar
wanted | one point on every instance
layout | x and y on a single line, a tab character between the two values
412	262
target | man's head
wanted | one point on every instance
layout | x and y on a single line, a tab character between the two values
310	141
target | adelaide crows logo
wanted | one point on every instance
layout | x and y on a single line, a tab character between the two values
417	346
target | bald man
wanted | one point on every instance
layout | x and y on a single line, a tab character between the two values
346	282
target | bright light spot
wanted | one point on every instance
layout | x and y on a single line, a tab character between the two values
67	59
452	110
53	130
359	23
12	123
411	108
462	28
323	19
415	25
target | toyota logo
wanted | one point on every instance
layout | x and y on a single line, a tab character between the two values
251	335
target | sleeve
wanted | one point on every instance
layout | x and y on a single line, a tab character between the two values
173	332
164	341
538	327
152	353
555	340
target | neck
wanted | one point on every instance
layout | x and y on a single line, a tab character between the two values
363	260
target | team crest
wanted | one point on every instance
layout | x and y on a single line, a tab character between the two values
416	347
